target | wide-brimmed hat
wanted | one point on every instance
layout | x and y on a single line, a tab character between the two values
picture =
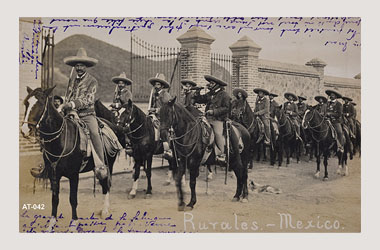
216	80
347	98
257	90
161	79
302	98
273	94
121	77
329	92
186	81
286	95
320	97
81	57
353	103
58	97
236	91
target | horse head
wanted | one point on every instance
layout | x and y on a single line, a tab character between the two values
35	107
128	116
309	113
167	118
279	113
237	110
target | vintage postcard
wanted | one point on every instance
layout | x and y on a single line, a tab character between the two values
190	124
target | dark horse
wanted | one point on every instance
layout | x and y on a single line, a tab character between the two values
287	139
189	148
322	135
59	138
242	113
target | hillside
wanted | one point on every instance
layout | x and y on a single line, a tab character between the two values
112	61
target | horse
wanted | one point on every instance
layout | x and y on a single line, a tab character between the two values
287	139
324	140
188	150
242	113
357	141
60	141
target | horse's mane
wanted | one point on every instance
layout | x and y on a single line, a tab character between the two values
183	109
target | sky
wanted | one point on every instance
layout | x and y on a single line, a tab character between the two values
336	41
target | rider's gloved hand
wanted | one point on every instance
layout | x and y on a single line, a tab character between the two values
210	112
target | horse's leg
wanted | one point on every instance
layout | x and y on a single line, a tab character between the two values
280	153
264	151
325	162
245	185
178	182
194	172
238	169
298	150
258	152
149	176
54	182
136	167
318	156
210	175
287	152
74	201
340	163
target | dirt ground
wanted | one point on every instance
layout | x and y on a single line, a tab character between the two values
305	204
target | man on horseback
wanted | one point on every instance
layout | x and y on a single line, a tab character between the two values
321	107
188	87
58	101
159	95
262	111
334	114
302	107
291	109
80	97
348	114
121	97
272	106
217	110
241	96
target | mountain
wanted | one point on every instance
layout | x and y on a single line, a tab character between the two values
112	61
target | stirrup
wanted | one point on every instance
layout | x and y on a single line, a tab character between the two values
168	154
221	158
101	172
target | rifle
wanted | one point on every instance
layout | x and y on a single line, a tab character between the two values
67	89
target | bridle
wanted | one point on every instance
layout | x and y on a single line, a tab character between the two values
128	125
313	128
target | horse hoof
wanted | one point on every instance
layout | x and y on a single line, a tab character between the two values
73	226
167	183
244	200
189	208
104	214
316	175
131	196
148	196
210	176
235	199
339	171
181	208
325	178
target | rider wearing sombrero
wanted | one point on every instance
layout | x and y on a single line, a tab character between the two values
122	93
217	110
188	100
334	113
262	110
241	100
80	97
321	107
291	109
272	106
348	113
302	107
160	95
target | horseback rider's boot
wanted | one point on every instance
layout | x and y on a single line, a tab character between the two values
220	156
168	154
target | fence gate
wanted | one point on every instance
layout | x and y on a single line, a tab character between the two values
47	70
146	61
221	67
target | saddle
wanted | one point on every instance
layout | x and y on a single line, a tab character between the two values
156	126
260	124
208	138
110	140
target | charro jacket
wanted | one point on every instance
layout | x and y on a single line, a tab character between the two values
81	92
218	101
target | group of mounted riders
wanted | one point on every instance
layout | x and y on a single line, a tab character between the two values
223	121
82	90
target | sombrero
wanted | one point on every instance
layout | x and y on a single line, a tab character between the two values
286	95
320	97
161	79
214	79
329	92
347	98
121	77
257	90
186	81
302	98
236	91
273	94
81	57
58	97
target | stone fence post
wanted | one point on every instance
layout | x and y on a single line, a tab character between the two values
245	52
